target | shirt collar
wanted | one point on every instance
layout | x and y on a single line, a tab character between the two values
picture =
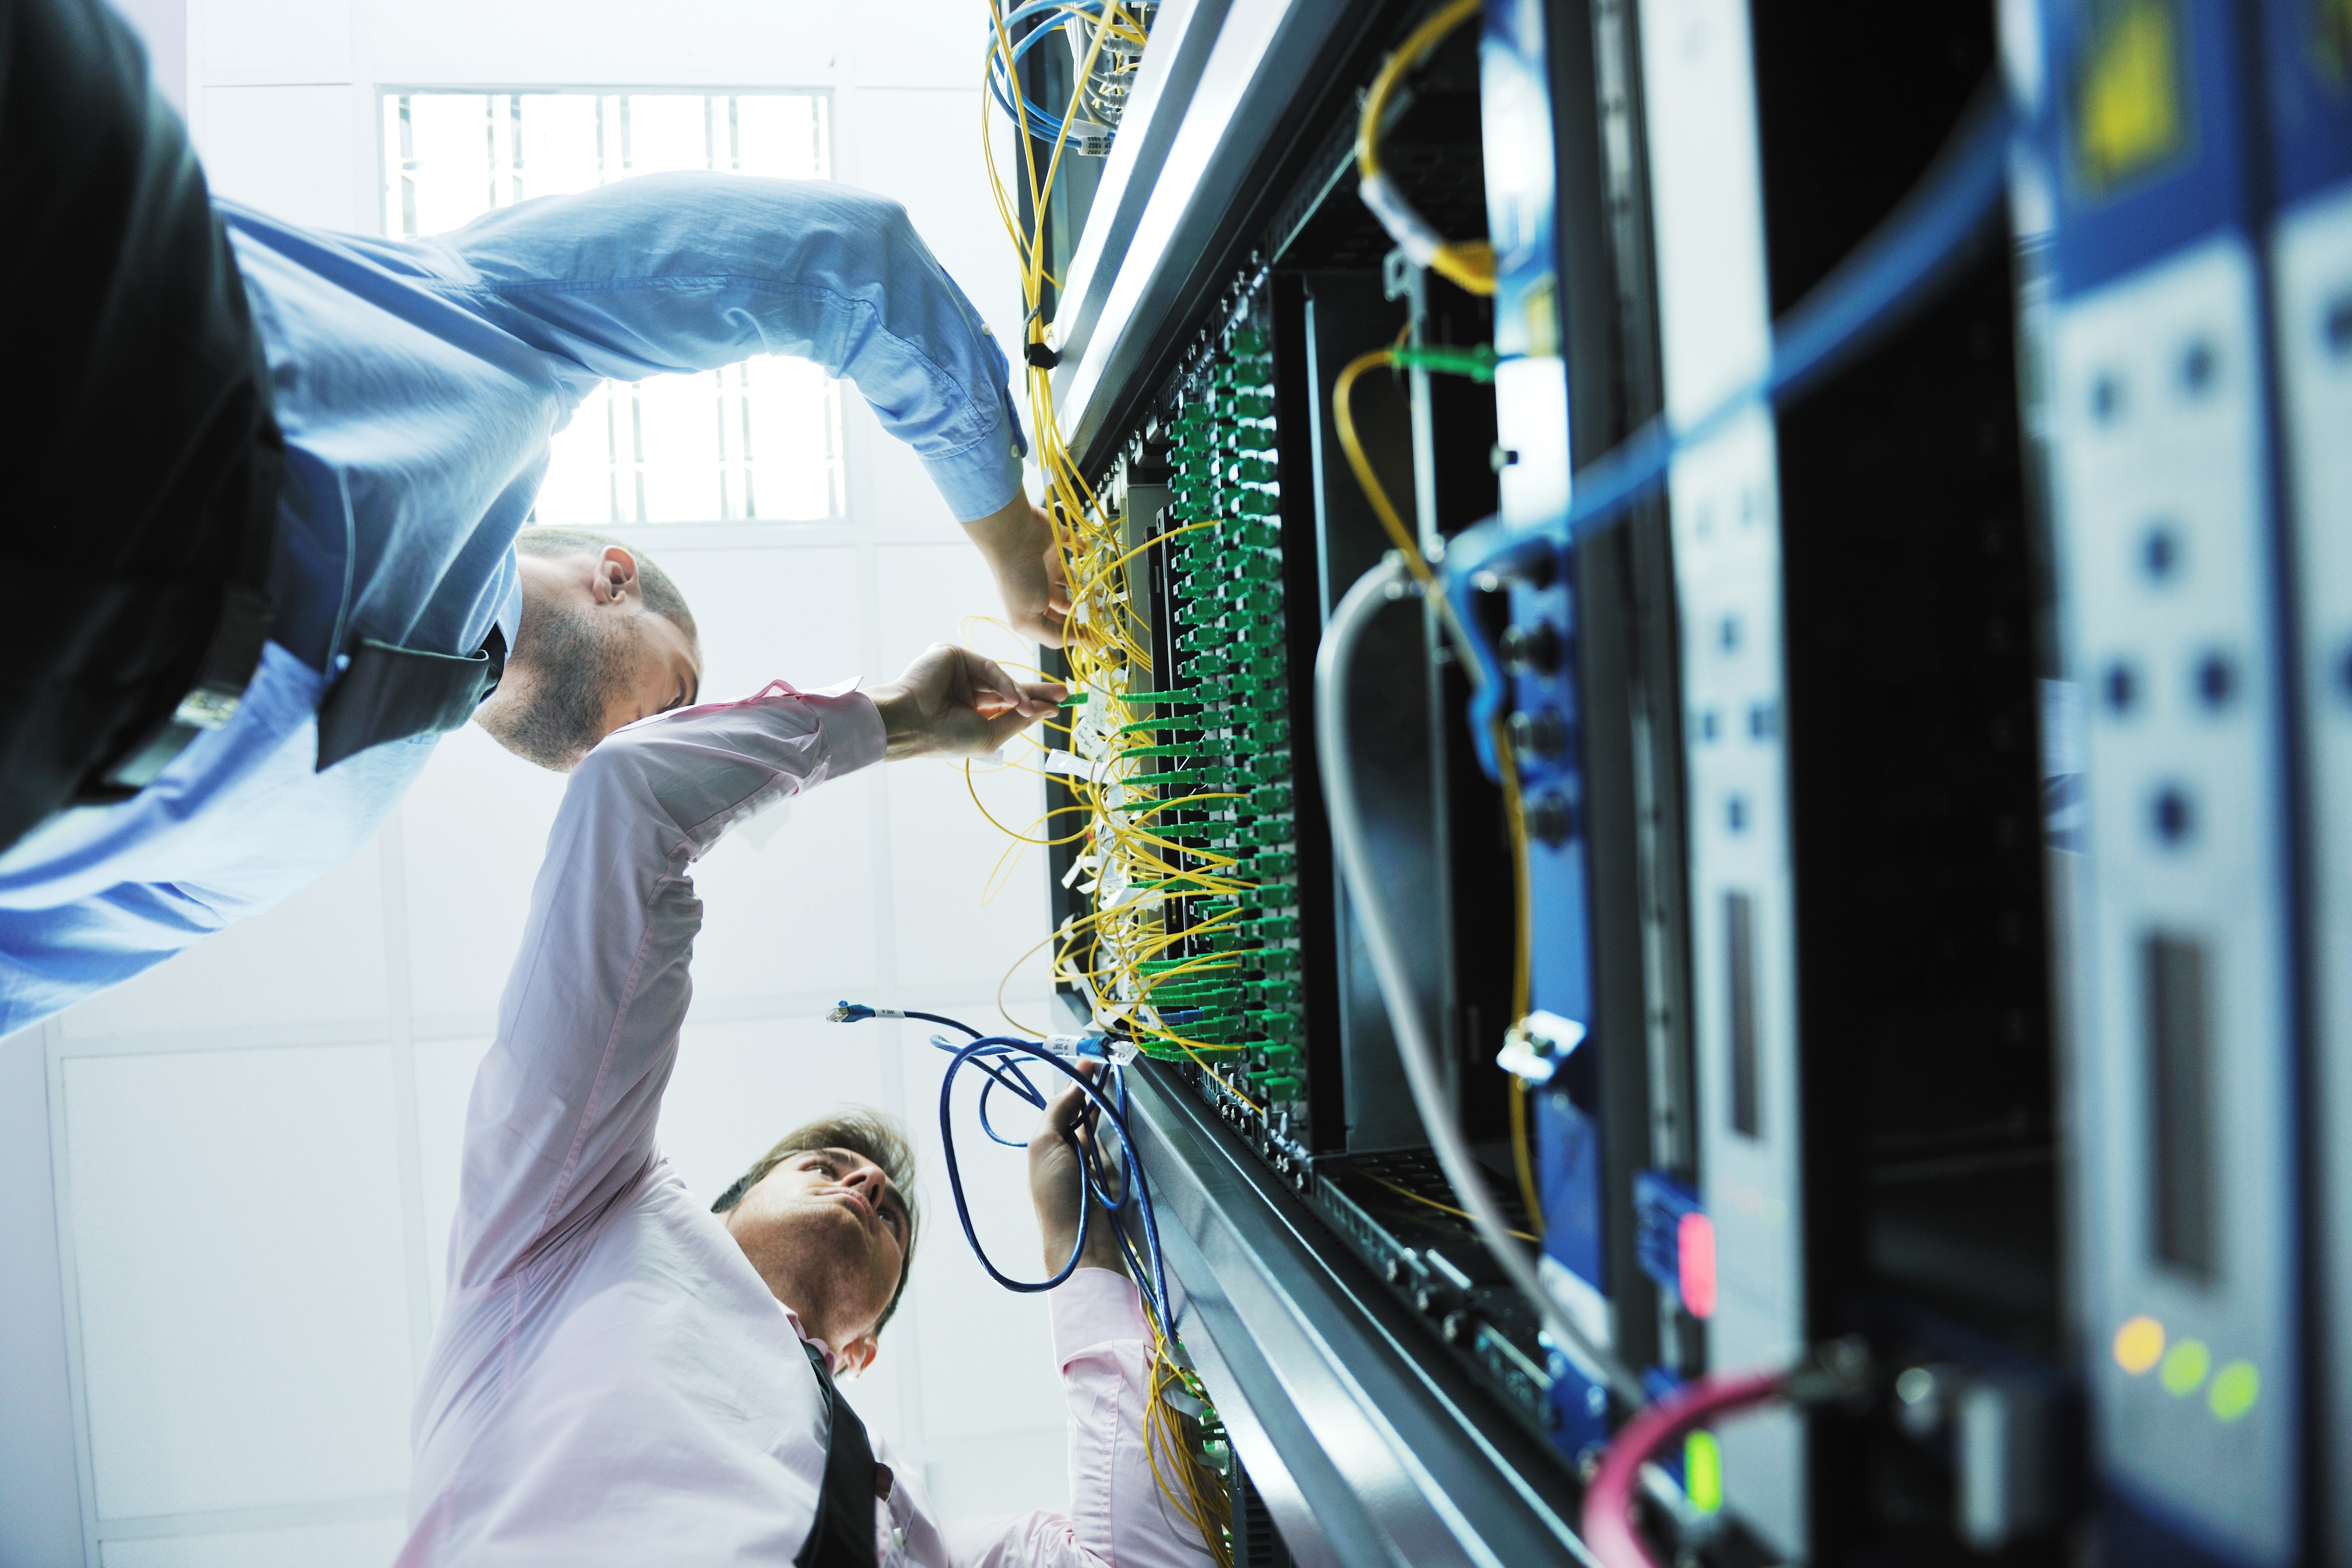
509	616
832	1361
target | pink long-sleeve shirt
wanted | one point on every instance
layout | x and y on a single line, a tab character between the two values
611	1382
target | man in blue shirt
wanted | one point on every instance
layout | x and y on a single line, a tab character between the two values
400	423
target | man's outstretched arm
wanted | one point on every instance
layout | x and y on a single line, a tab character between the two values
692	271
563	1110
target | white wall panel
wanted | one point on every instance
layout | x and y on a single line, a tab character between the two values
272	42
287	151
473	832
317	958
369	1544
788	898
1003	1472
241	1274
938	44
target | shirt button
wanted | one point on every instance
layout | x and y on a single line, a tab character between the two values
899	1539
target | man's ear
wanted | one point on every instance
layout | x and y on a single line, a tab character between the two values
859	1354
616	573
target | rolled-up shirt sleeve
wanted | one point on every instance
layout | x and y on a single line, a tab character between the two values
563	1109
1119	1516
669	273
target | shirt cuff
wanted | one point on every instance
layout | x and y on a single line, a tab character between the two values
850	728
978	481
1095	1306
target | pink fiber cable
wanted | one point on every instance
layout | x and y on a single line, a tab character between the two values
1609	1527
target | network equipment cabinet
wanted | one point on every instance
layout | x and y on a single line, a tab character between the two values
1855	794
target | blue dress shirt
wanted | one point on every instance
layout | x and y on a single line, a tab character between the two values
417	384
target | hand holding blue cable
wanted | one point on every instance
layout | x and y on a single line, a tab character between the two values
1096	1092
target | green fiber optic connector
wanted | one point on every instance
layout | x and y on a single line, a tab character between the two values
1477	363
1248	341
1207	907
1180	879
1283	1090
1134	697
1264	568
1269	765
1254	405
1270	867
1199	994
1270	798
1257	503
1253	471
1259	633
1275	928
1274	959
1276	990
1161	752
1268	830
1162	965
1281	1057
1275	1023
1268	666
1271	732
1272	896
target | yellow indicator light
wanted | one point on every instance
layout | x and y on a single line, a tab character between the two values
2139	1344
2184	1366
2235	1388
2130	115
1703	1471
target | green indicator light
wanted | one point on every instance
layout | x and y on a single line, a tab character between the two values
2184	1368
2235	1388
1702	1472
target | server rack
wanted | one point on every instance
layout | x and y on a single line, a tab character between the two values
1838	869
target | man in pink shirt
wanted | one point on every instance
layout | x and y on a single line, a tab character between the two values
620	1377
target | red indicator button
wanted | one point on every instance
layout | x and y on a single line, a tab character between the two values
1695	1262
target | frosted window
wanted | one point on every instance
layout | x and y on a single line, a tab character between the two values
761	440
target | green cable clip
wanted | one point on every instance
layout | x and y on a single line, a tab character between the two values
1477	363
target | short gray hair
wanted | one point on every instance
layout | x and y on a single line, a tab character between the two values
661	595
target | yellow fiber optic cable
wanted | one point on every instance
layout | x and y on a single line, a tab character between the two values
1469	263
